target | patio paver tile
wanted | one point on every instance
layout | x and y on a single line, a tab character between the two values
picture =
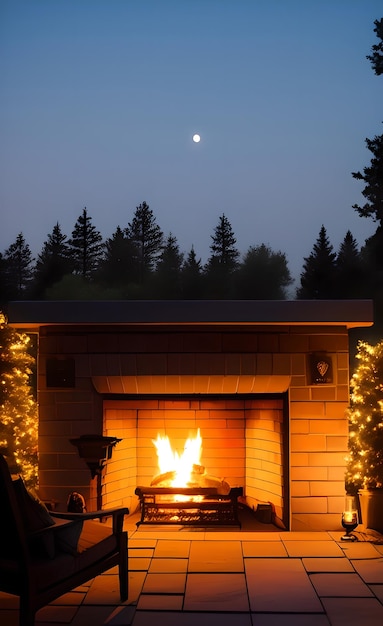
153	618
173	549
222	535
73	598
324	564
139	564
164	583
280	585
378	591
304	548
216	592
103	590
216	556
58	614
163	602
140	552
315	535
156	533
360	550
370	571
260	536
168	566
263	548
339	585
291	619
121	616
139	542
353	611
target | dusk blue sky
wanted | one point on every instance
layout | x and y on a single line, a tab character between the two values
100	99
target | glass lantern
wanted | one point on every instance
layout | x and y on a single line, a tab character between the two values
350	518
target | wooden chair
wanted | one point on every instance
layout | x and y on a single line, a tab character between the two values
42	565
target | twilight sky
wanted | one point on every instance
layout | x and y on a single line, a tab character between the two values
100	99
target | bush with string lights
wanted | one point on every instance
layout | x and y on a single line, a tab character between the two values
18	407
365	414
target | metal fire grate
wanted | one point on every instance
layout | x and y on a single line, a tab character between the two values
200	506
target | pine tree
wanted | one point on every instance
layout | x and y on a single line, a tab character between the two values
317	278
168	273
365	461
373	175
351	277
223	260
18	408
118	267
376	56
53	262
148	239
86	246
262	275
373	178
373	208
373	191
224	251
18	267
192	277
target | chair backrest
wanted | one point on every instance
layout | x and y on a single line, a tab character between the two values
13	542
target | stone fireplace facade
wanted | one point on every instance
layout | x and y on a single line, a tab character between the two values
267	383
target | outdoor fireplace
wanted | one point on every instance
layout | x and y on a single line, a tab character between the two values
267	382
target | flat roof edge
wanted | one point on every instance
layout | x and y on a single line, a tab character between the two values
350	313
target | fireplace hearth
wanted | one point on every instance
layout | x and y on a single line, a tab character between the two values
188	506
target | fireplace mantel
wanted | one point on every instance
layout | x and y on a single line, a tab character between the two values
186	384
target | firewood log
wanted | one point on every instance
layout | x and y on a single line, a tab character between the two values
223	488
163	478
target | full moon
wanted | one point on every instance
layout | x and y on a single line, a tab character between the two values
196	138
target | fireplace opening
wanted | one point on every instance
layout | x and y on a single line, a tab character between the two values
243	457
183	492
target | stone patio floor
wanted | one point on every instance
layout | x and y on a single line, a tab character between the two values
201	577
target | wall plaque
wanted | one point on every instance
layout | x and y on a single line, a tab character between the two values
320	369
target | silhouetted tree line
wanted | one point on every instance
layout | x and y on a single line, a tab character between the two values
140	262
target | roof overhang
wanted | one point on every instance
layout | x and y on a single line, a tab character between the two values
345	313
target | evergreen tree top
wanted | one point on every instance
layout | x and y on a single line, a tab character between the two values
86	245
376	56
223	246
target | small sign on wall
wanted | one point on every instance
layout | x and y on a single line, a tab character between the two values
320	369
60	372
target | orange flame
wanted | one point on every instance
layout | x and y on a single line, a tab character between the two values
179	464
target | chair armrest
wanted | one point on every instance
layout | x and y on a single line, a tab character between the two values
117	515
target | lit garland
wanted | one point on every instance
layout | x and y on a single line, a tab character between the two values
18	408
365	415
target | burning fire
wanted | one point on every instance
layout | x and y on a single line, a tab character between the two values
178	468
